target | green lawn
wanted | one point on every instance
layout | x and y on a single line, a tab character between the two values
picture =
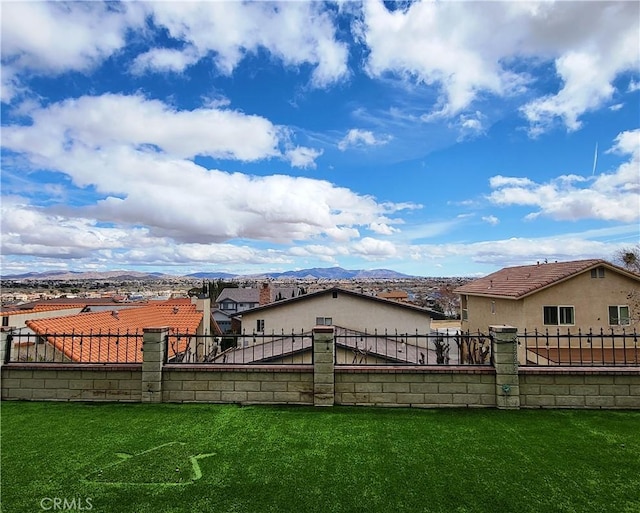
222	458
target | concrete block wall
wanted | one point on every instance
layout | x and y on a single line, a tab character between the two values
38	382
579	387
240	384
503	385
415	387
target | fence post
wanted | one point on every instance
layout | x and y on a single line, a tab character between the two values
323	366
153	349
505	360
5	341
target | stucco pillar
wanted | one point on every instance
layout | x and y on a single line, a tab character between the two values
153	352
505	361
323	366
202	340
5	340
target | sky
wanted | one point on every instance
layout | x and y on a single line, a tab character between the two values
430	138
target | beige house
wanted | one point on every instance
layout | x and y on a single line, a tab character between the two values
579	295
368	328
338	307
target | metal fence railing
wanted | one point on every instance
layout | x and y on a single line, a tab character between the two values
613	348
393	348
242	348
92	347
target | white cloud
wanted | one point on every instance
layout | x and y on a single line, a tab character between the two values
468	49
470	125
609	196
95	122
374	249
382	228
54	37
492	220
28	230
45	38
517	250
135	153
163	60
296	33
359	138
303	157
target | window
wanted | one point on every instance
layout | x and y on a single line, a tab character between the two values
493	307
260	325
558	315
334	294
598	272
465	314
324	321
618	315
228	305
5	320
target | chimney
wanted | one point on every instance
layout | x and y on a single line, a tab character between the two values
265	294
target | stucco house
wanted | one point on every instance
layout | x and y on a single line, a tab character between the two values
579	295
355	317
338	307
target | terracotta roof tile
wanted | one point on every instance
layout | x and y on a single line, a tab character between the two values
114	336
517	282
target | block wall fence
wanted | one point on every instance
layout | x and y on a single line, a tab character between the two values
503	385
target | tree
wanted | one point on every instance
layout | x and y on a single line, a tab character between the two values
629	258
448	301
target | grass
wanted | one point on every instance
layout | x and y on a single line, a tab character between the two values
225	458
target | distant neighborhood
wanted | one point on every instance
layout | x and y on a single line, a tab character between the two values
581	295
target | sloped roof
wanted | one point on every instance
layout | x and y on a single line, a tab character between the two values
311	295
518	282
99	331
38	309
239	295
394	294
71	302
252	295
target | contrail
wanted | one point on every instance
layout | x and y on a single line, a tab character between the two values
595	160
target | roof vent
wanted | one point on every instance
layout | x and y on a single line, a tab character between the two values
176	309
114	313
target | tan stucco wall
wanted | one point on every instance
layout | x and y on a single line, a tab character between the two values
590	298
480	317
347	311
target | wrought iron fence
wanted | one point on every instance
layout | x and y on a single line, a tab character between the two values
393	348
92	347
242	348
617	348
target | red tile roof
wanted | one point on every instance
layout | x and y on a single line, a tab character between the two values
518	282
115	336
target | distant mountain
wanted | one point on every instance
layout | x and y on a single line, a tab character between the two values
337	273
328	273
212	276
73	275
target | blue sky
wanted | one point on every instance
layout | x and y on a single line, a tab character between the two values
432	138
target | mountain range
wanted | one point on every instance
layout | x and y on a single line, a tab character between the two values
330	273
